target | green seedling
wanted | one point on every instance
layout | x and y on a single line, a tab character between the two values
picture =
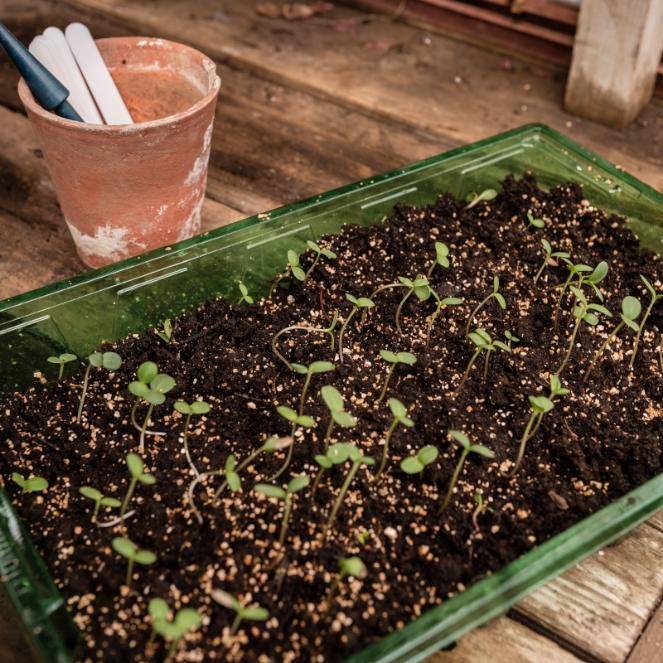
480	508
244	292
358	303
348	567
441	258
484	342
363	537
166	332
61	360
111	361
584	275
417	463
99	500
357	458
468	449
284	495
399	413
172	628
419	286
136	470
294	266
232	470
631	309
336	454
474	198
394	358
440	305
550	259
309	371
133	554
337	414
654	298
254	613
297	421
30	485
510	339
311	330
583	312
150	388
535	222
495	294
540	406
318	253
188	410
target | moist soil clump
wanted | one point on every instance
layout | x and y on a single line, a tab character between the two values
601	440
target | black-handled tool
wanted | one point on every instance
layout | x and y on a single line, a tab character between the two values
45	88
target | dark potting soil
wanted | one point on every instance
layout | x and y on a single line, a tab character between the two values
600	441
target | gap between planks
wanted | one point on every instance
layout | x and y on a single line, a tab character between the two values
385	69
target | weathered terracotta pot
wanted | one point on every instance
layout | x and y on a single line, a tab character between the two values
131	188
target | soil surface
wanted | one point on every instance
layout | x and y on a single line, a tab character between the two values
600	441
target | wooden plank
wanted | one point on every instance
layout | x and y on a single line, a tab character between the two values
504	640
615	59
602	605
385	69
657	521
650	645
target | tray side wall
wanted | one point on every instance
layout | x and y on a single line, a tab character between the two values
108	304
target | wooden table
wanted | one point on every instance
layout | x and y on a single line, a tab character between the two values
307	106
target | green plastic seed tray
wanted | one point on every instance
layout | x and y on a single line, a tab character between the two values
107	304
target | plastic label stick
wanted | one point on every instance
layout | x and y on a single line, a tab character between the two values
96	74
79	95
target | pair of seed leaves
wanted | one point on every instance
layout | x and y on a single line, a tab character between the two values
185	620
416	464
151	385
334	401
482	339
295	266
464	442
543	404
586	311
254	613
340	452
30	485
293	486
313	368
99	498
398	357
128	549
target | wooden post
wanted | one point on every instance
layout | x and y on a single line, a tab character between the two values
615	57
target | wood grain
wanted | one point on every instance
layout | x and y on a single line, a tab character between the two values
611	85
504	641
305	108
650	645
602	604
389	71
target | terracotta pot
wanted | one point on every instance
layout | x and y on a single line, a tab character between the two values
131	188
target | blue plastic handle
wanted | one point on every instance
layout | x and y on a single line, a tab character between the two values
45	88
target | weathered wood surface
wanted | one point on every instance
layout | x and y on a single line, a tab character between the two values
504	641
390	71
305	108
602	605
616	56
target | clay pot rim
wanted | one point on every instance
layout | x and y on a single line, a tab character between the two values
126	129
